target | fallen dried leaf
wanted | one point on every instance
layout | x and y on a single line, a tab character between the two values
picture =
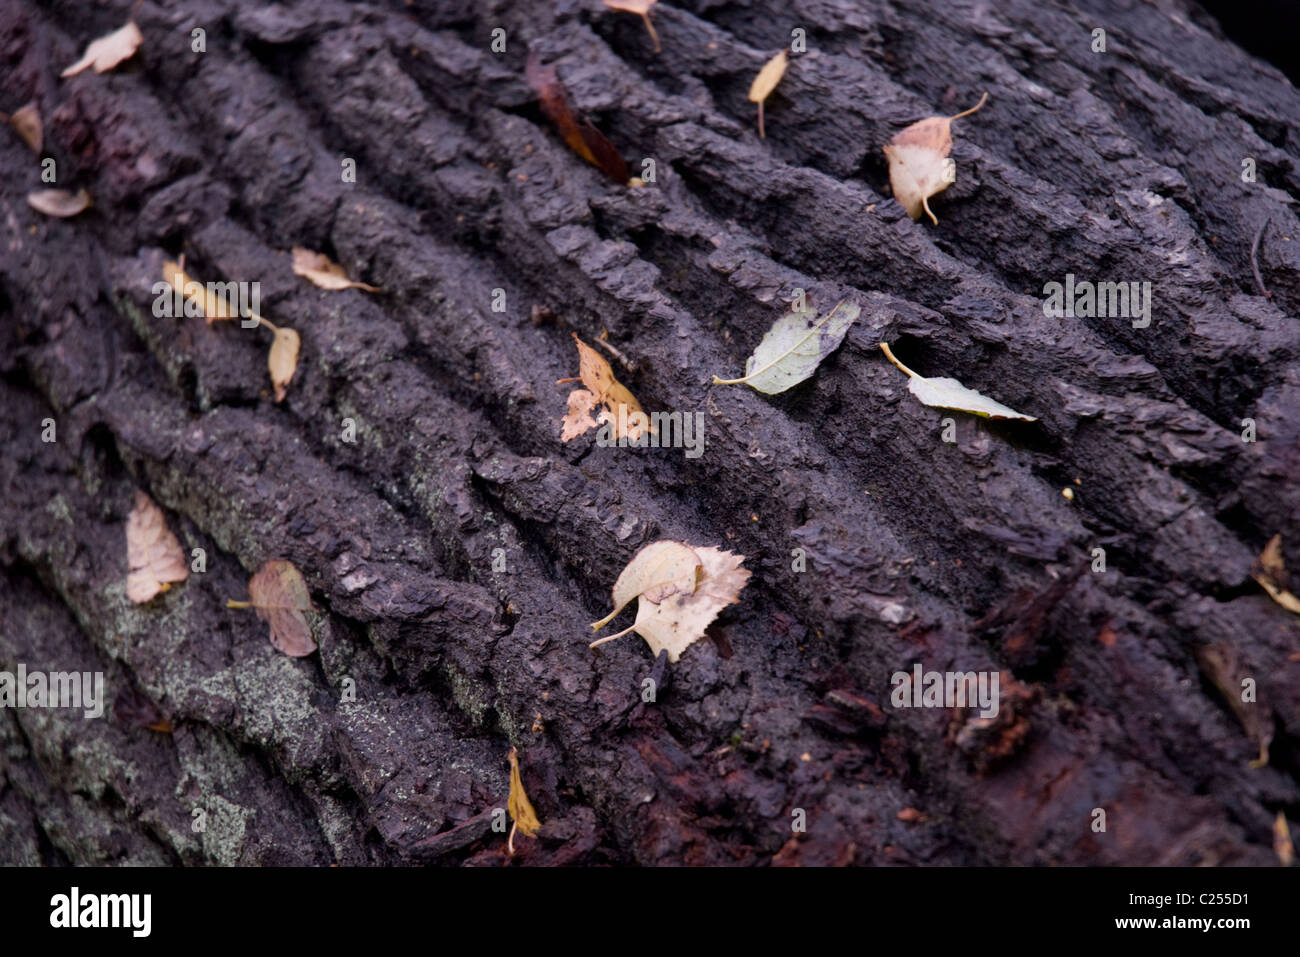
521	810
213	307
944	393
279	595
319	269
641	7
918	162
601	389
1270	572
583	138
283	359
1282	841
658	570
109	50
766	82
26	120
672	619
153	554
59	202
792	349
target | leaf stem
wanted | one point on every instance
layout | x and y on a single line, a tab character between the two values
601	641
231	603
889	354
973	109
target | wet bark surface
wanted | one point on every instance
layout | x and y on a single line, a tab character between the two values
962	556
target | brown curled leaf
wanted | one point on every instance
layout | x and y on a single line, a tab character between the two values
583	138
26	121
620	408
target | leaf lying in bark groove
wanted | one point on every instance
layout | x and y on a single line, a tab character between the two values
153	554
643	8
214	307
26	121
279	595
601	389
918	162
109	50
59	202
521	810
671	615
766	82
792	349
1223	665
283	359
1282	845
320	270
583	138
1270	572
944	393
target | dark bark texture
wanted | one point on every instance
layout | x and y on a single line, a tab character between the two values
964	556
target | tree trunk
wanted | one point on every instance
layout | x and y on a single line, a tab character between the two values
1119	688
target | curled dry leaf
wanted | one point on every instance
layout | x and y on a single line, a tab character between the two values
1270	572
109	50
621	409
583	138
27	122
59	202
766	82
673	618
521	810
212	306
153	554
792	349
320	270
279	595
283	359
658	570
641	7
919	166
944	393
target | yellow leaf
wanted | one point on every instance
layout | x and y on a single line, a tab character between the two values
153	554
319	269
918	162
283	359
214	307
109	50
766	82
521	810
1282	840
